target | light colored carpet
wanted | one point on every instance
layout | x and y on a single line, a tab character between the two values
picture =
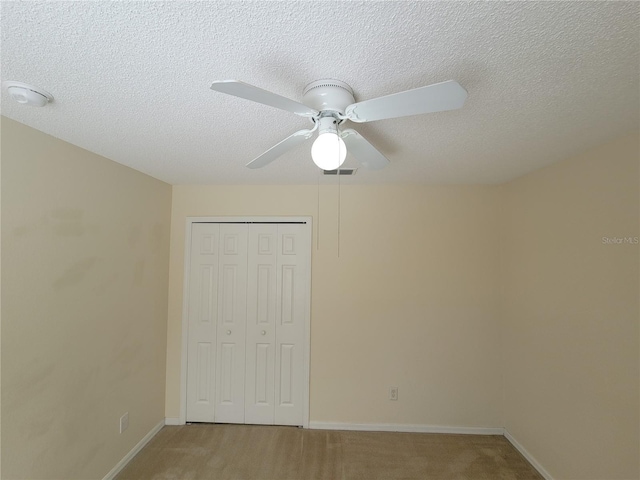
248	452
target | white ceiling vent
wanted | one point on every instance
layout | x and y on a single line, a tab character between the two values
343	172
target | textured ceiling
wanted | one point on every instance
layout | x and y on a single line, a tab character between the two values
131	82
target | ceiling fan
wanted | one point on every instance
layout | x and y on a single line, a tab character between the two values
329	103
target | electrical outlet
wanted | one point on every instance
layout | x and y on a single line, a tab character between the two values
124	422
393	393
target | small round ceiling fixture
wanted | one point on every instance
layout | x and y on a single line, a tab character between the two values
27	94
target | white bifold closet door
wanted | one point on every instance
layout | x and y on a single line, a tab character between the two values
247	298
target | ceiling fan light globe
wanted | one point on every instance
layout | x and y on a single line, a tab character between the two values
328	151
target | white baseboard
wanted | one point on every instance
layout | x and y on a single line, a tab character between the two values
173	421
401	427
139	446
528	456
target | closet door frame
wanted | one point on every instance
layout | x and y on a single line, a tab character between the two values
185	302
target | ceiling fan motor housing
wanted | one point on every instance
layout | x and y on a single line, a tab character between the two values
328	94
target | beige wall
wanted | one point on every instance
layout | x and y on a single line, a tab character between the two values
438	290
85	245
411	302
570	314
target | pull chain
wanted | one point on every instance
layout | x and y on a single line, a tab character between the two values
339	199
318	215
339	209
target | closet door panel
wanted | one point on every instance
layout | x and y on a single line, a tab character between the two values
292	288
231	328
202	318
261	316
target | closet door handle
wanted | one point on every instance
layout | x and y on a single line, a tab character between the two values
228	332
263	332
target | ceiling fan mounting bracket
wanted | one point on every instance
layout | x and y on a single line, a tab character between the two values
327	123
324	114
329	96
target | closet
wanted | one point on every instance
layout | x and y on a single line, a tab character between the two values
248	307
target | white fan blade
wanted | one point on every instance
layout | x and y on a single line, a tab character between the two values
438	97
255	94
363	151
280	149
